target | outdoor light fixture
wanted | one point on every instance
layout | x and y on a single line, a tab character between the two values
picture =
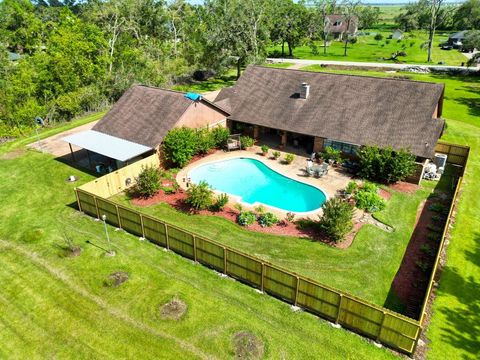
128	181
110	252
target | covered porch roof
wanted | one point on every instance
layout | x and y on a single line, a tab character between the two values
107	145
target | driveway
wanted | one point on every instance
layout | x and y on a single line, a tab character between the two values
56	146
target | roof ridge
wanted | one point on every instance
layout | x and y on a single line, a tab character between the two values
160	88
350	75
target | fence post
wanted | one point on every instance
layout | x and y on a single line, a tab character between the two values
419	332
78	200
381	326
263	276
141	224
296	290
96	206
194	248
339	309
118	217
224	260
166	236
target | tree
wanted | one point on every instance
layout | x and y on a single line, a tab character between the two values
336	221
467	15
350	9
323	9
472	40
368	16
434	7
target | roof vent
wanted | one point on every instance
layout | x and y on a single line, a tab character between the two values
304	91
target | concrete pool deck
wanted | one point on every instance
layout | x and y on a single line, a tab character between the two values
330	184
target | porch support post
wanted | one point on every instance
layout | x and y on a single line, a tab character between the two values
71	152
283	142
89	160
256	131
317	144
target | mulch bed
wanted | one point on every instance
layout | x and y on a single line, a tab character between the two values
404	187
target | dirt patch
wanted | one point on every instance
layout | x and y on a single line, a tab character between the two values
386	195
12	154
175	309
248	346
116	279
404	187
72	251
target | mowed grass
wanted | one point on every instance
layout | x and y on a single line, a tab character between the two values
53	306
367	49
366	269
454	331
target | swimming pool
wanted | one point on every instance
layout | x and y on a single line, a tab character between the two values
255	182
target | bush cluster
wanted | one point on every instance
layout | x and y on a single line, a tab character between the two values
336	221
181	144
220	202
148	181
200	196
385	165
246	141
367	198
267	219
246	218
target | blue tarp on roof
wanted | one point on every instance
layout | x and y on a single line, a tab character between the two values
193	96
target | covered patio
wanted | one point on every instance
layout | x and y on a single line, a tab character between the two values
103	153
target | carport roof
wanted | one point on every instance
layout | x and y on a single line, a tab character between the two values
107	145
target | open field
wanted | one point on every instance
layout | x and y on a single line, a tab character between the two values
367	49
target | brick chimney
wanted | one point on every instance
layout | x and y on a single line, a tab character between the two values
304	91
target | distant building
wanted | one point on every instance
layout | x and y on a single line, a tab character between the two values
337	26
397	35
456	40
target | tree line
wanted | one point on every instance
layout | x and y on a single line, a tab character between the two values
80	56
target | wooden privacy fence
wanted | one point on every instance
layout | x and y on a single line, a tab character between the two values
456	154
380	324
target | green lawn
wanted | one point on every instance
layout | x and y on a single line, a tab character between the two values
212	84
366	269
54	306
454	331
367	49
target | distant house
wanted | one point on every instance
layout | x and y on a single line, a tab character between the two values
140	119
397	35
337	26
313	110
456	40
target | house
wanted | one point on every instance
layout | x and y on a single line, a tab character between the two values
397	34
314	110
456	39
337	26
138	122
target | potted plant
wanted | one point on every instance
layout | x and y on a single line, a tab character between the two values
289	158
265	149
276	154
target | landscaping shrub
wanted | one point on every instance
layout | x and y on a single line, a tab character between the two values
366	198
180	145
220	202
246	141
220	136
384	164
332	154
378	37
148	181
200	196
439	208
290	216
336	221
289	158
205	141
246	218
265	149
267	219
276	154
351	188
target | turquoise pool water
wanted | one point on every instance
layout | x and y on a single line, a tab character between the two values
254	182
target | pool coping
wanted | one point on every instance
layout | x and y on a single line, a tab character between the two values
183	174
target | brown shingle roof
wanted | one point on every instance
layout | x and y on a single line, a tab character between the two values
355	109
145	114
332	28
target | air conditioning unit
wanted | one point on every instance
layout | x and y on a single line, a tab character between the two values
440	160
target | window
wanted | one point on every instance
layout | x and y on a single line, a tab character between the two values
337	23
343	147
